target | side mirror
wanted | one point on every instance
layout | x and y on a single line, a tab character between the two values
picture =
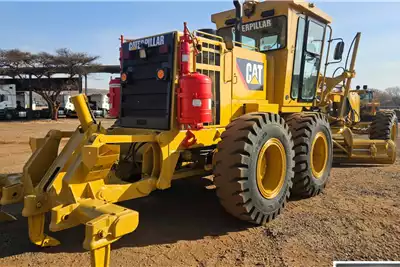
338	51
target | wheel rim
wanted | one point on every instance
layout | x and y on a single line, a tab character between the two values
319	155
393	132
271	168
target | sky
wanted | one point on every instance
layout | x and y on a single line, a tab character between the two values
95	27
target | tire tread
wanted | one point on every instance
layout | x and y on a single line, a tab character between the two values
301	126
232	166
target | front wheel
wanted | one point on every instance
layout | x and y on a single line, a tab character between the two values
254	167
9	116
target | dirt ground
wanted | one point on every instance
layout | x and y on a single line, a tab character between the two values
356	218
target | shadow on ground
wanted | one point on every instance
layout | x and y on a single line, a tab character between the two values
189	210
355	165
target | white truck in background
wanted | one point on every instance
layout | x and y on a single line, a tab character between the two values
15	105
66	106
99	104
38	103
39	107
9	108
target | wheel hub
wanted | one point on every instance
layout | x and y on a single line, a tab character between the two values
271	168
319	155
393	132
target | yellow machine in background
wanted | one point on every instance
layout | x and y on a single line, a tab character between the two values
369	106
352	108
361	105
272	133
362	113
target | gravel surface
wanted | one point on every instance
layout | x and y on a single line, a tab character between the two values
356	218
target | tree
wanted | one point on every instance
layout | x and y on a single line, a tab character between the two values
394	93
389	97
43	66
382	97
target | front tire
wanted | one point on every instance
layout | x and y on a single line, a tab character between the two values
313	147
254	167
37	114
9	116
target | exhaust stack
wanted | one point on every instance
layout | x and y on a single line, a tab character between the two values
238	24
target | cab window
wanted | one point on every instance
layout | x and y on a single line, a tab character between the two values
367	96
263	35
3	98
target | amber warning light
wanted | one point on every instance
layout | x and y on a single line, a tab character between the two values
123	77
160	74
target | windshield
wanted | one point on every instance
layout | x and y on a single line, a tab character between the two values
263	35
366	96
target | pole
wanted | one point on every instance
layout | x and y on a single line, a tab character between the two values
30	92
86	84
80	84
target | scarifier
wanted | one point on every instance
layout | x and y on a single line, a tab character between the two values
246	103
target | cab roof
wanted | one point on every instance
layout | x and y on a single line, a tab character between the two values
302	6
310	7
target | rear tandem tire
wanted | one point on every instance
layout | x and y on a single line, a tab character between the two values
313	148
384	126
254	167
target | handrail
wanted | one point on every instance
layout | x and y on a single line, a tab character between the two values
208	34
351	70
326	66
249	46
222	39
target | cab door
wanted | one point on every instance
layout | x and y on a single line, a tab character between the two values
307	61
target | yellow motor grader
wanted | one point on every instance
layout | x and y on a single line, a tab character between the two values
363	106
369	105
362	113
245	103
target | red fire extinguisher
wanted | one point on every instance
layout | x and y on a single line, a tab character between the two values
195	90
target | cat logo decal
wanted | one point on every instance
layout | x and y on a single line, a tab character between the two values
251	73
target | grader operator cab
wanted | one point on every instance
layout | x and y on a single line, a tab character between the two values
248	105
369	105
